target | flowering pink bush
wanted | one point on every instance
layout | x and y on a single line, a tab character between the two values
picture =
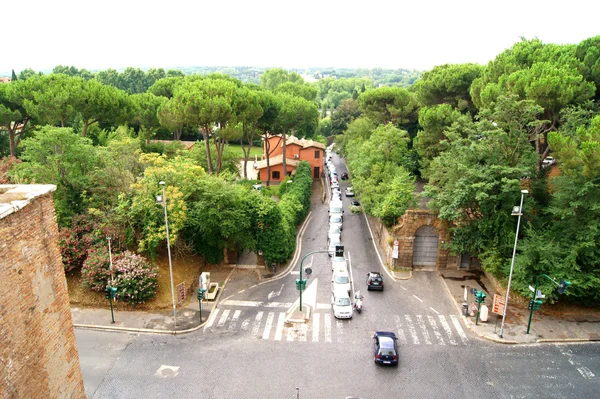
75	240
136	279
95	272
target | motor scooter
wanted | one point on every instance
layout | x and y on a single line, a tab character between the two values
358	301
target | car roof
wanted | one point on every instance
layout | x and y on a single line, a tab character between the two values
375	273
387	334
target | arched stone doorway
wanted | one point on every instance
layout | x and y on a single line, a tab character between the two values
425	250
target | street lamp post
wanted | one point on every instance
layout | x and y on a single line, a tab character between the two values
163	200
516	212
112	281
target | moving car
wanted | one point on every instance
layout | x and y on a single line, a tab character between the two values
548	161
374	281
386	351
349	192
354	203
341	304
344	176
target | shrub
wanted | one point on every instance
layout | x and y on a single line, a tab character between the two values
95	272
75	240
136	279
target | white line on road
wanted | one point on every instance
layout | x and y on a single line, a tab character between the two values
340	330
421	323
323	306
234	319
351	276
256	304
403	288
447	329
279	329
211	318
418	298
585	372
302	332
268	325
256	324
437	333
223	318
245	325
459	329
401	335
295	272
412	330
436	312
315	327
327	326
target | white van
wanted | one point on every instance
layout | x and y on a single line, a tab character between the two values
341	304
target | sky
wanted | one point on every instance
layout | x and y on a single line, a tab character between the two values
421	34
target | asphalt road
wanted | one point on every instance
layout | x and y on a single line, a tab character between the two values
246	351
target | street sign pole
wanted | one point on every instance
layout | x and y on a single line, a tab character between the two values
302	283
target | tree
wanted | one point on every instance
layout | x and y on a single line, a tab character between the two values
389	105
272	78
247	113
297	89
448	84
147	106
13	115
344	114
54	101
58	156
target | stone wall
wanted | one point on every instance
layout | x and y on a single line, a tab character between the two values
38	352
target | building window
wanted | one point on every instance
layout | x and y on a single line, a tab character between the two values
317	154
276	175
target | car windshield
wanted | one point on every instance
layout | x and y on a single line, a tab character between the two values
336	219
342	301
342	280
375	278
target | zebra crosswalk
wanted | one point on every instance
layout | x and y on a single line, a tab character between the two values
269	324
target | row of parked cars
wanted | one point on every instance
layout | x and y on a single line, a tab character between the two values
385	348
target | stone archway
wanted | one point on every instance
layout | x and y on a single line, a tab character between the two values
425	247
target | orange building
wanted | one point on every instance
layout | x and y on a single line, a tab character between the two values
296	150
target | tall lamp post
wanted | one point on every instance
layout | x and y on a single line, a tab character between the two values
163	200
517	211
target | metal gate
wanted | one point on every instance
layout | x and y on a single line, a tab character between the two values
426	246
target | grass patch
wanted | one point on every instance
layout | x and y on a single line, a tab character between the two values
237	149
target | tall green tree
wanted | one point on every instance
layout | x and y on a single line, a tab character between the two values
272	78
389	105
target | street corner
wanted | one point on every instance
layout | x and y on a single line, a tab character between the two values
402	274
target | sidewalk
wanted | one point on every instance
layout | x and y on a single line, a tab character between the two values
584	326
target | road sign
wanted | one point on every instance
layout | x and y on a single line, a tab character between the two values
181	293
395	253
498	304
308	271
396	243
539	295
531	289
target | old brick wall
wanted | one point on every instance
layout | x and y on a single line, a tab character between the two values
38	352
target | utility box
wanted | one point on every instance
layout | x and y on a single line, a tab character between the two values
204	280
483	315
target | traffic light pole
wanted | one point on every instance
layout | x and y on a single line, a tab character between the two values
533	304
301	263
112	315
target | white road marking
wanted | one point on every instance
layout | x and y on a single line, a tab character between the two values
327	327
421	323
279	329
585	372
412	330
223	318
256	324
303	332
295	272
351	276
291	332
268	325
447	329
436	312
273	294
339	330
403	288
323	306
418	298
245	325
256	304
459	329
401	335
437	333
211	318
234	320
315	327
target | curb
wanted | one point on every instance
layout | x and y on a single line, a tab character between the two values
154	331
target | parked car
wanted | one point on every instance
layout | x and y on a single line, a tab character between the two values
341	304
386	350
338	263
336	220
354	203
349	192
334	185
548	161
344	176
333	229
341	280
333	240
374	281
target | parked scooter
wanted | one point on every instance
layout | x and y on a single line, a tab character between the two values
358	301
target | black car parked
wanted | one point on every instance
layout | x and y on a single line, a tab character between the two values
386	351
374	281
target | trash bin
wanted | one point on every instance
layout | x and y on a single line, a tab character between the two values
465	308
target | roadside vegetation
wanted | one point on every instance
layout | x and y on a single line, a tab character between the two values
475	134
